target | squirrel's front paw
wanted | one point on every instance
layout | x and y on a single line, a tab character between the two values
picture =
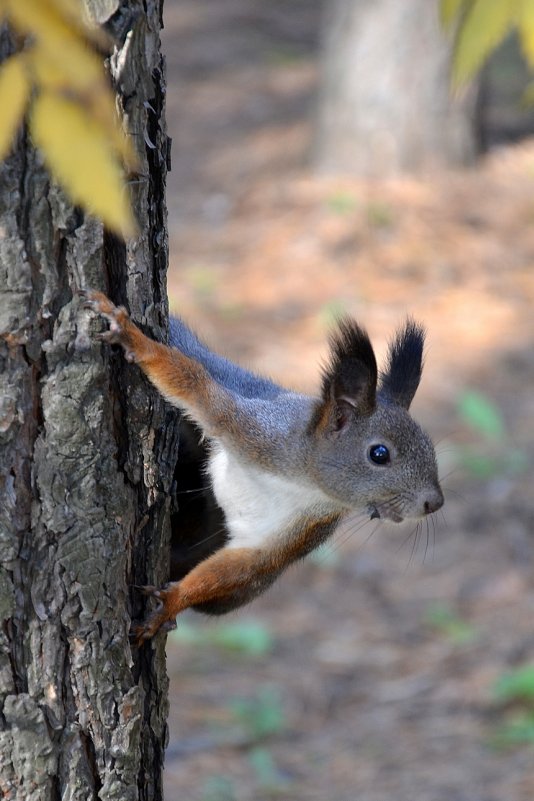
163	618
117	316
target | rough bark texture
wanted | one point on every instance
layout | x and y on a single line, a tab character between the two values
87	457
385	104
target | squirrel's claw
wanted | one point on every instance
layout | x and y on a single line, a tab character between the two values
101	304
160	619
138	634
97	301
155	622
146	589
117	317
111	337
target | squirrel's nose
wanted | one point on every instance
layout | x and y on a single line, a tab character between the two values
433	501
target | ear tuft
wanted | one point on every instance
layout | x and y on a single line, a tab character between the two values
349	379
399	381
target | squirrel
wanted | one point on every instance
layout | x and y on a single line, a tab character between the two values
285	467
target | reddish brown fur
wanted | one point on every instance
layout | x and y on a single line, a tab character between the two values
232	577
173	373
180	379
304	539
323	418
220	578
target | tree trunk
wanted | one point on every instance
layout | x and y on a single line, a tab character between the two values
87	459
385	104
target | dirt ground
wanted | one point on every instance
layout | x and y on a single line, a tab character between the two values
370	671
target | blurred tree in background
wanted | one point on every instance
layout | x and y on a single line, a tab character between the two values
385	103
399	81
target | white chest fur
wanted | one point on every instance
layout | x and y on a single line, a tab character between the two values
259	506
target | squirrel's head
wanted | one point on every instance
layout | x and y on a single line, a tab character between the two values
368	452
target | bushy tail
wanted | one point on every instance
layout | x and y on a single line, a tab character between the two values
225	372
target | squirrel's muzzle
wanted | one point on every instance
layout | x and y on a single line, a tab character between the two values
433	501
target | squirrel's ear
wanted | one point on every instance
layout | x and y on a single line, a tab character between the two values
399	382
349	379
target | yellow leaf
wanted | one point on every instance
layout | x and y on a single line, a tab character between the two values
96	96
483	27
80	65
49	18
81	16
63	45
14	93
77	72
525	24
449	11
79	154
37	17
71	10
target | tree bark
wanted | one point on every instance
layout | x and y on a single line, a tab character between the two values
385	104
87	460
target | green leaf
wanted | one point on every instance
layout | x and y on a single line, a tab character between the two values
480	465
481	414
444	619
519	730
219	788
517	685
246	637
483	27
265	768
341	203
260	716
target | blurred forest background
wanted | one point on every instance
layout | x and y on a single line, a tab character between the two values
386	667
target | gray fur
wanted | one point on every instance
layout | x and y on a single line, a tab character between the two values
229	375
282	430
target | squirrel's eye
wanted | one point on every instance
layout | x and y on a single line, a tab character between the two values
379	454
